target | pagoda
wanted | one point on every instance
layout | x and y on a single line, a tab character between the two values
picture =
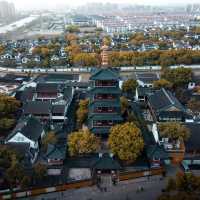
104	98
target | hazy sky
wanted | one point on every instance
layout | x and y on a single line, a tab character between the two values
23	4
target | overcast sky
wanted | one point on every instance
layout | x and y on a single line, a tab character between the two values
22	4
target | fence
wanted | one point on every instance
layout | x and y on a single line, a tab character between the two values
39	191
123	176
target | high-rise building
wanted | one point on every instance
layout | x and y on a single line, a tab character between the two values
7	10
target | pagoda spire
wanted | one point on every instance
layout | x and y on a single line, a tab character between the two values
104	56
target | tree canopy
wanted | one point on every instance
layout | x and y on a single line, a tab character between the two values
162	83
49	138
40	171
82	142
194	105
126	142
82	112
155	57
124	104
182	187
129	86
174	130
178	77
86	59
8	107
73	29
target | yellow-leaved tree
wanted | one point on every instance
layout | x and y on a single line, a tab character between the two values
126	142
82	142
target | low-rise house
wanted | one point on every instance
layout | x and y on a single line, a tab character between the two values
55	154
156	155
191	161
25	59
142	93
55	58
46	92
39	109
25	95
164	106
7	56
146	79
58	113
28	130
192	145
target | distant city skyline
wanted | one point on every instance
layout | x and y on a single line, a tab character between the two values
40	4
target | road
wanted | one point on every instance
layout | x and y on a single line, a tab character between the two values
127	190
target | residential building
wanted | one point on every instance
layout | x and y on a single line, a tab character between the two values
164	106
146	79
28	130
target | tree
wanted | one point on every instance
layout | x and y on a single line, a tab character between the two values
178	77
126	142
182	187
8	107
45	52
82	142
2	49
124	104
107	40
36	51
73	29
162	83
40	171
82	112
86	59
25	182
6	123
174	131
129	86
71	38
49	138
46	63
14	173
194	106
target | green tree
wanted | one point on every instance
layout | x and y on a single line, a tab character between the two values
6	123
174	131
178	77
73	29
124	104
129	86
82	142
40	171
14	173
25	182
126	142
8	107
49	138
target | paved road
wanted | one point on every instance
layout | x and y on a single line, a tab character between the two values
123	191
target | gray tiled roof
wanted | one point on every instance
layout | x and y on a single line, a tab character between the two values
163	99
37	107
30	127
